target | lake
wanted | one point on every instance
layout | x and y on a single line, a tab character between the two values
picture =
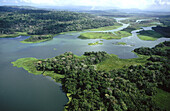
21	91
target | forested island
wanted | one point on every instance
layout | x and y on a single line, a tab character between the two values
90	85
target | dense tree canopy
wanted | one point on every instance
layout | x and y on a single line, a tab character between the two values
39	22
128	89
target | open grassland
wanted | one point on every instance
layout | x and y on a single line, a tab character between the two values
162	99
107	28
147	38
113	62
104	35
149	35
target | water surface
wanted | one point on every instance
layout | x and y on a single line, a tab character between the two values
21	91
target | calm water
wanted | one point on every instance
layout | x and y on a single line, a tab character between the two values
21	91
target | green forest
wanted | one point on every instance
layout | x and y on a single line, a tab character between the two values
130	88
44	22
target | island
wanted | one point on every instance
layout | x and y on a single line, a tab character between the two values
95	43
101	81
104	35
38	39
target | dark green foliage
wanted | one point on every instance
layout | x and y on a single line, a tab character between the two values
129	29
68	62
164	31
125	89
35	38
160	66
150	33
41	22
161	50
128	89
165	20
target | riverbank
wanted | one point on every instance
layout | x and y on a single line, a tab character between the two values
29	64
16	34
116	26
149	35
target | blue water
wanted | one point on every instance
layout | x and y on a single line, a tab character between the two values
21	91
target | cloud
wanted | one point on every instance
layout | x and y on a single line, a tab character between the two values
140	4
47	2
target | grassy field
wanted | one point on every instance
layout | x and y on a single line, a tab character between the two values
38	39
107	28
113	62
162	99
147	38
149	35
13	35
104	35
95	43
29	65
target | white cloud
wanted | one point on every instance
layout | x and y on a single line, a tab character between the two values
47	2
162	2
141	4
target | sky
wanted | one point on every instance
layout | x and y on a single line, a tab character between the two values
122	4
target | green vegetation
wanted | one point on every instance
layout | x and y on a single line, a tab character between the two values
28	64
38	39
107	28
138	25
69	100
96	43
164	31
162	99
54	48
122	34
16	34
116	84
44	22
149	35
147	38
113	62
165	20
104	35
161	49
